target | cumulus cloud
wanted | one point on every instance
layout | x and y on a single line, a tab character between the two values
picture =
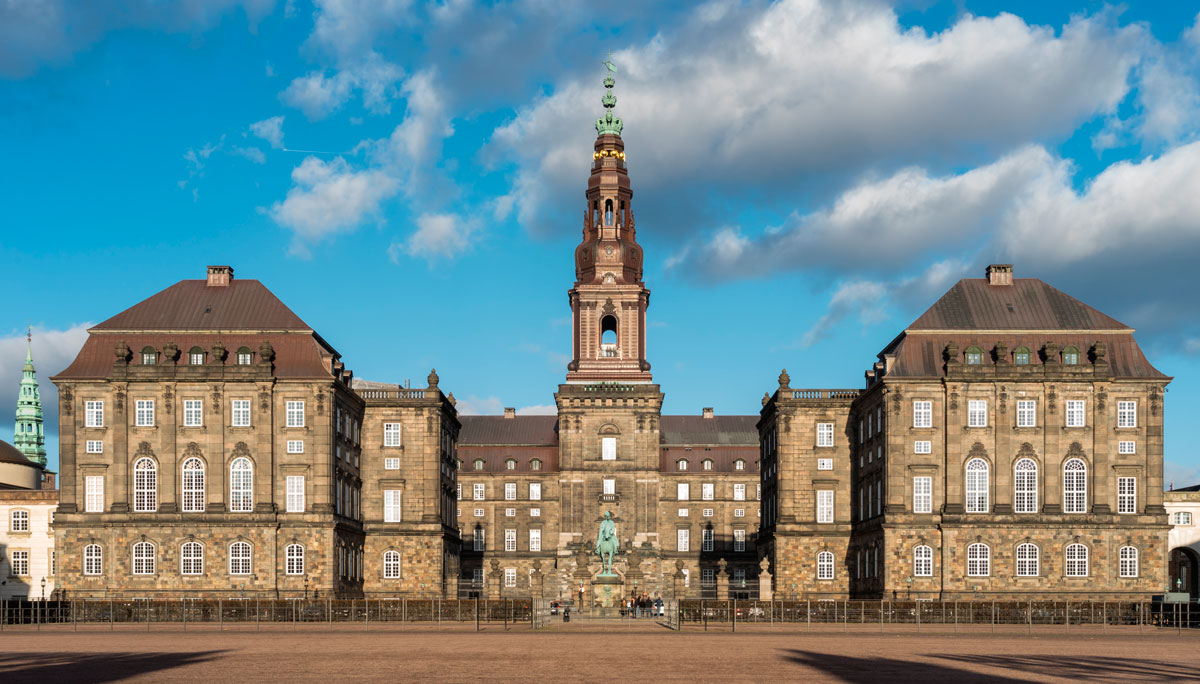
438	236
270	130
252	153
328	197
864	297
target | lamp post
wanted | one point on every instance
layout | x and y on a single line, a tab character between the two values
43	588
910	587
306	587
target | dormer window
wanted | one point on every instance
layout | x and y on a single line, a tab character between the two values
244	356
974	356
196	356
1071	356
479	464
681	464
1021	356
535	464
510	464
739	464
149	356
707	463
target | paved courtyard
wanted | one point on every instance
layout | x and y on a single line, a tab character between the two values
583	653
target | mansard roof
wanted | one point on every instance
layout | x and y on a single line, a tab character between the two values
1026	304
196	305
499	430
717	430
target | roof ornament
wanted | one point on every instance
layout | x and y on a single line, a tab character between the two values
784	379
609	124
432	379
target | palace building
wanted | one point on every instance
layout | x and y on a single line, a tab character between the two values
1007	443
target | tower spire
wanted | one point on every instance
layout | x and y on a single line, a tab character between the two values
28	435
609	123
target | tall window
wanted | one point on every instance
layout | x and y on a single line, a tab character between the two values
193	486
922	414
391	564
682	489
535	539
824	565
535	464
143	558
824	505
510	540
923	494
1074	486
739	492
824	434
477	491
94	494
294	555
706	491
196	356
391	505
1025	486
535	491
608	448
923	561
149	356
979	560
1028	560
1126	414
191	559
1128	561
1075	413
683	539
144	413
93	560
706	539
19	562
93	414
977	486
145	486
977	413
478	539
241	485
510	491
391	434
295	414
1077	560
1126	495
193	413
19	521
739	540
1026	413
510	577
608	486
239	558
295	494
241	412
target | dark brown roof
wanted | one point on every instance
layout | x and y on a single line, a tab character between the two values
498	430
494	458
296	356
10	454
691	430
1027	304
194	305
921	355
722	457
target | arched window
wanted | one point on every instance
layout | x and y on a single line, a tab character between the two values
149	356
294	554
1077	560
681	464
244	356
391	565
93	560
1129	561
1025	494
608	336
1074	486
974	356
608	212
824	565
193	486
479	464
1027	560
739	464
510	464
196	356
1070	356
241	485
145	486
977	486
923	561
535	464
1021	356
707	463
191	559
979	560
143	558
239	558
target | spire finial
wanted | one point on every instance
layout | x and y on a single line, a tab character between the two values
609	124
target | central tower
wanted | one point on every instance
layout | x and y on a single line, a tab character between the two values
609	300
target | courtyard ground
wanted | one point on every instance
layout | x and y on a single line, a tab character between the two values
587	652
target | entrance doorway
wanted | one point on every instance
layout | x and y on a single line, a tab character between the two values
1182	571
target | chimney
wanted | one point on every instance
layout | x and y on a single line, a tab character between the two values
706	412
510	412
999	274
219	276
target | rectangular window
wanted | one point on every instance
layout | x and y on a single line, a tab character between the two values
478	490
683	513
824	434
510	491
824	464
391	434
20	563
193	413
707	512
459	492
510	540
144	413
295	493
1126	447
478	540
94	494
95	446
922	447
295	414
478	512
393	463
535	512
1075	415
53	562
1126	495
391	505
739	512
1026	413
93	414
610	486
20	521
510	577
535	491
535	540
608	448
683	540
739	540
824	505
922	414
240	412
706	491
510	512
977	413
706	539
681	491
1126	414
923	494
295	446
739	492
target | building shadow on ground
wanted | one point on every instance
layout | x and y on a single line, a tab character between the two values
91	667
870	669
1085	668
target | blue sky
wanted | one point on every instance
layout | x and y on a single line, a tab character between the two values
809	176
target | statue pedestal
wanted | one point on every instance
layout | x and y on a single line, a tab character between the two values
609	590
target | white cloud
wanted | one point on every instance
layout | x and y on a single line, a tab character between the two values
858	296
538	410
270	130
252	153
317	95
438	235
479	406
328	197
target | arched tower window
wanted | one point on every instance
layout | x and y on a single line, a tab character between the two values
608	212
608	336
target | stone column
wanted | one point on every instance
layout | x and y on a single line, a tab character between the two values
493	580
537	581
765	590
722	580
678	591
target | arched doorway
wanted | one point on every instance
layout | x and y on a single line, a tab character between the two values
1182	571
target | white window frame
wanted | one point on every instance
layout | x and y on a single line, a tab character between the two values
510	539
295	494
683	539
707	491
979	560
682	491
977	413
241	559
478	539
295	446
391	505
510	491
94	446
707	512
1126	414
93	414
535	512
824	434
1126	447
1076	413
922	446
293	559
535	491
535	539
144	413
1075	486
478	512
391	564
923	561
1127	495
1127	557
1025	486
608	486
510	512
19	562
825	565
93	560
739	541
608	448
145	558
193	413
1182	518
241	485
1078	565
191	558
739	512
93	494
19	520
1028	560
706	539
922	494
824	506
145	485
1026	413
977	486
510	577
239	413
295	413
393	463
922	414
739	491
392	434
477	491
194	485
824	464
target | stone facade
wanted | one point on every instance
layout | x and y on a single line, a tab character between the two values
28	553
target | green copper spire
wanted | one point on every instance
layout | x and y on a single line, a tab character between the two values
28	437
609	124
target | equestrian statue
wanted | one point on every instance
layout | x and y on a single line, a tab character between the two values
606	543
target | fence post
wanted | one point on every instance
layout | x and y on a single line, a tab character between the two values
1067	618
477	613
956	616
917	605
845	615
220	615
880	616
993	616
1029	618
110	615
256	613
808	613
733	615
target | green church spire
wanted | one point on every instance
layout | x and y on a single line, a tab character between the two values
28	436
609	124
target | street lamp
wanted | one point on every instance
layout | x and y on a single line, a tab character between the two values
910	587
306	587
43	588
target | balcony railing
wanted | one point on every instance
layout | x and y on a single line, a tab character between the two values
824	394
392	394
609	351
